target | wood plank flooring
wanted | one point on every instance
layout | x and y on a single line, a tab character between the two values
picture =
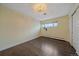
41	46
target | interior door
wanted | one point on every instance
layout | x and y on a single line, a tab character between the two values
76	31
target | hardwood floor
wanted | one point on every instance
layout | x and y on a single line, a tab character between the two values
41	46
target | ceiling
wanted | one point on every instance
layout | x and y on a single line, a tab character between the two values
54	9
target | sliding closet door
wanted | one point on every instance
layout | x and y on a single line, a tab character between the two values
76	31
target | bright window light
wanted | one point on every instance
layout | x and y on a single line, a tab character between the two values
50	25
43	25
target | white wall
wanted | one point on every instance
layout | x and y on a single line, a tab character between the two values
76	30
70	22
73	29
16	28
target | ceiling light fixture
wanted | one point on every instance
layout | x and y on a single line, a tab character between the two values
40	7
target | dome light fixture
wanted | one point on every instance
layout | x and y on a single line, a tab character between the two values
40	7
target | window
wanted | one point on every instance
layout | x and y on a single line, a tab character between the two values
50	25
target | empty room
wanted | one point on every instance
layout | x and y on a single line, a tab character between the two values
39	29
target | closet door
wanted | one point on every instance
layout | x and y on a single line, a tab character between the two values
76	31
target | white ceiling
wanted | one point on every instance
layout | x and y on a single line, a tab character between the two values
54	10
